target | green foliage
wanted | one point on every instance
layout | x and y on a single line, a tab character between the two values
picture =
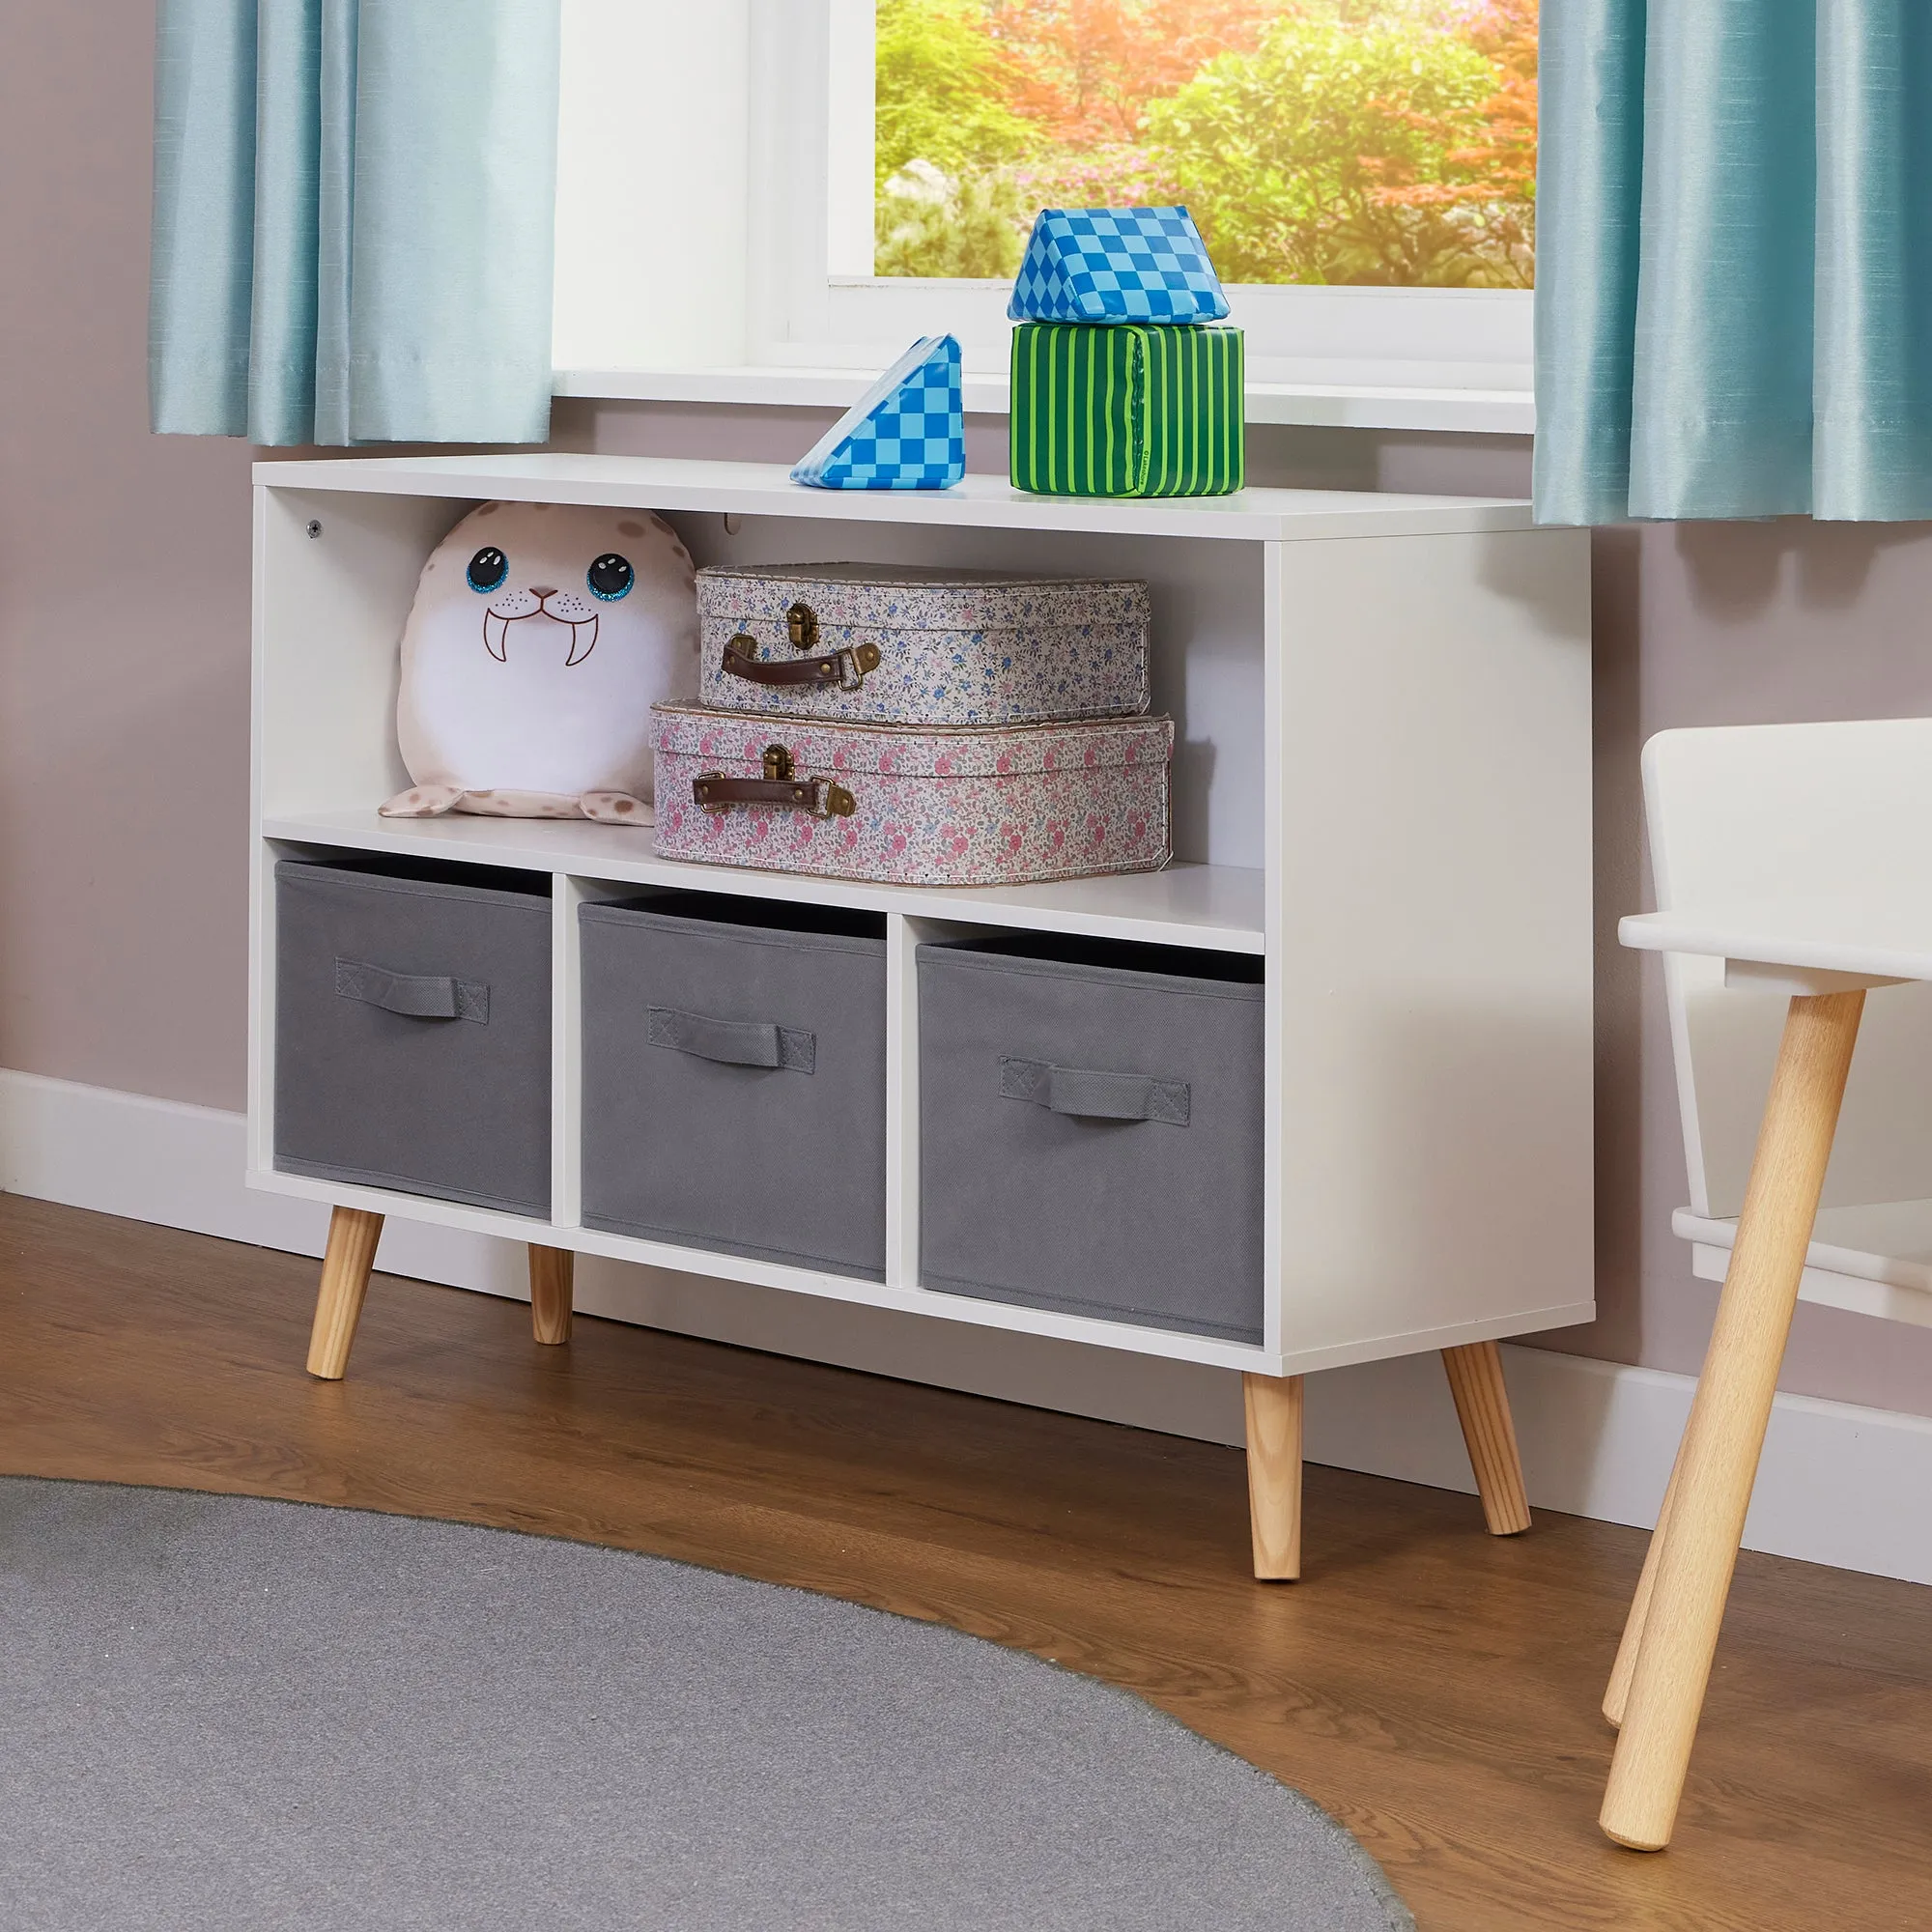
928	223
941	91
1110	176
1364	141
1342	153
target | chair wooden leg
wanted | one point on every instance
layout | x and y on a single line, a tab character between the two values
552	1273
352	1236
1483	1408
1616	1694
1273	1405
1725	1436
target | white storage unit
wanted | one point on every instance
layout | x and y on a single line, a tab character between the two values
1381	787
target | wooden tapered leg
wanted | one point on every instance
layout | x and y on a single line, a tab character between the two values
1273	1405
1483	1408
1617	1695
552	1272
352	1236
1718	1462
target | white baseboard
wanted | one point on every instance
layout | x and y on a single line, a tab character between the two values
1840	1484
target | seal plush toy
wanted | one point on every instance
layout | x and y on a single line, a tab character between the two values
540	637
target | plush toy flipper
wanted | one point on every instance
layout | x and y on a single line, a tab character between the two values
503	803
616	808
606	807
422	802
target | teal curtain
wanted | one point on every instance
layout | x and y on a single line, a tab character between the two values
353	215
1734	260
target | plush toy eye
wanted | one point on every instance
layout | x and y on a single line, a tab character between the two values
488	568
611	577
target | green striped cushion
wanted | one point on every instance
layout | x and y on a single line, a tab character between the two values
1119	410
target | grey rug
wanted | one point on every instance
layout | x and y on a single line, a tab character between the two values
222	1715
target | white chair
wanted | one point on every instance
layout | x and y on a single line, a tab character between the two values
1793	868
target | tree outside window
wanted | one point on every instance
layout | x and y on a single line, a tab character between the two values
1366	142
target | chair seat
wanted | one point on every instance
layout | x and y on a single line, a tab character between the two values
1889	937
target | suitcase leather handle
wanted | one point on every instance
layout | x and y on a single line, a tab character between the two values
842	670
733	1042
415	996
823	798
1089	1095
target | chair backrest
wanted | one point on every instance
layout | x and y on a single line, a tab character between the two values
1759	812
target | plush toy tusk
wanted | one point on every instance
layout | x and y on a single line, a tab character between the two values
495	635
579	648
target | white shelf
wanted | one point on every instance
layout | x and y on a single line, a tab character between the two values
1459	409
979	502
1218	908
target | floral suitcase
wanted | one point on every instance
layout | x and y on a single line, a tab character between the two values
895	645
913	804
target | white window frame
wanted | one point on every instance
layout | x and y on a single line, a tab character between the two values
746	171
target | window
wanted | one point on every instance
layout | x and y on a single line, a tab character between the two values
741	186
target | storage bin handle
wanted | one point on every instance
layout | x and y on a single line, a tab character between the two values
416	996
733	1042
1091	1094
845	668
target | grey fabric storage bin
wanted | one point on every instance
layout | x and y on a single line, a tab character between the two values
1091	1130
412	1029
734	1077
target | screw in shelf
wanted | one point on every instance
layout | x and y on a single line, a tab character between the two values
314	526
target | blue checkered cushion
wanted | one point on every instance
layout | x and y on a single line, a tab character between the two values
1116	264
907	432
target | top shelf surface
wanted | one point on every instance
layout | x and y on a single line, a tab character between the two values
979	502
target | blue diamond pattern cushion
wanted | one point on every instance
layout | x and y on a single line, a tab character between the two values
907	432
1116	264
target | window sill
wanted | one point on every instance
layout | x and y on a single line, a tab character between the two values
1311	405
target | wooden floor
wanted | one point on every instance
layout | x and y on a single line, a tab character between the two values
1434	1690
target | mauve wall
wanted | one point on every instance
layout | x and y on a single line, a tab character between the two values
124	663
124	604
